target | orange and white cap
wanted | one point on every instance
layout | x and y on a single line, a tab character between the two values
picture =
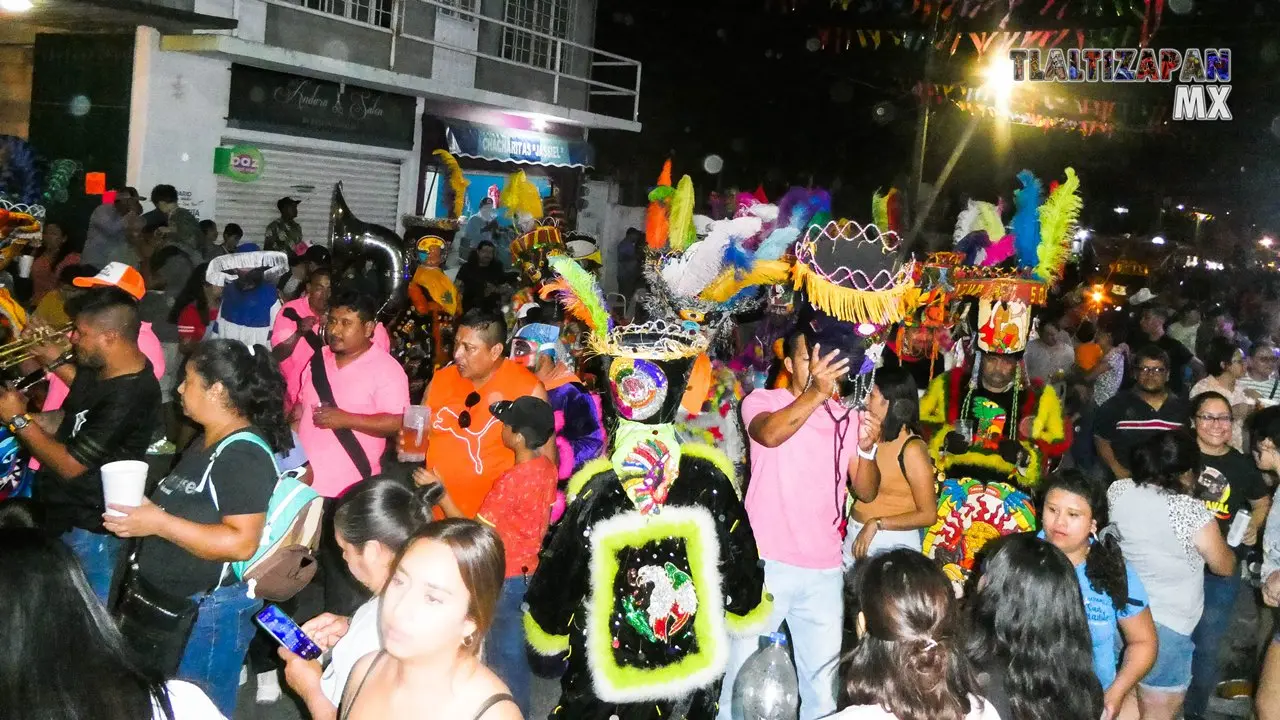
116	275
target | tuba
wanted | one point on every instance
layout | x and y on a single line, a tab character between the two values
369	255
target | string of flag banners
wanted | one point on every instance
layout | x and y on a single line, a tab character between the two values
1049	110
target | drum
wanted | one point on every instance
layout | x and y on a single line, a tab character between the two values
15	477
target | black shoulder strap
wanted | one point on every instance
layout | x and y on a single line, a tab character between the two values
493	700
902	453
312	339
345	710
320	379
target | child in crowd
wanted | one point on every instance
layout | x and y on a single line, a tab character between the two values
519	509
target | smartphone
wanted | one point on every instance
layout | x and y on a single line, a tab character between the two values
287	633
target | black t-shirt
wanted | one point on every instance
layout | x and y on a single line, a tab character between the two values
244	477
1127	420
103	421
990	414
1228	483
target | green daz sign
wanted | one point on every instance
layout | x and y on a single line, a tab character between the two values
242	163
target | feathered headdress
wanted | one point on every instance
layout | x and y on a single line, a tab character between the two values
457	183
1058	216
886	210
579	293
1026	220
655	221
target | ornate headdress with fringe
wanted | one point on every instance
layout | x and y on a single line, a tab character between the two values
853	272
1037	245
444	229
707	276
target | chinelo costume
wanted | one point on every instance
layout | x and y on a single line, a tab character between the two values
423	334
705	273
992	446
654	563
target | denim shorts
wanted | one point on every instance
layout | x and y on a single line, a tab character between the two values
1172	671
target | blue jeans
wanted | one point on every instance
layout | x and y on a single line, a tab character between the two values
98	556
1219	604
218	643
504	649
812	603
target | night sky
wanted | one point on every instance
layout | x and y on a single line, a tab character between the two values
738	78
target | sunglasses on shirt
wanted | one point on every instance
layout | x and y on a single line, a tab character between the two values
464	419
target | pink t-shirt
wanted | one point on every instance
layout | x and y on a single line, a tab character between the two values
292	366
372	384
148	343
796	496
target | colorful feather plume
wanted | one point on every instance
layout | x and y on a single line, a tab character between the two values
457	182
1026	220
778	243
729	283
656	226
966	223
579	293
520	197
682	233
886	210
787	206
999	251
1058	218
972	245
989	220
689	272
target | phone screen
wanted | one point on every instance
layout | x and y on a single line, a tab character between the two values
287	633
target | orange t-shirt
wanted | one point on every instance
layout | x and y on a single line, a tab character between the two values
469	460
1088	355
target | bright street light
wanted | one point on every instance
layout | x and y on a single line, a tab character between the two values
1082	234
1157	240
999	80
1266	241
1182	207
539	124
1121	210
15	5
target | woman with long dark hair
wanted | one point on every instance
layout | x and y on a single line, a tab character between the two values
373	521
1028	635
207	513
1169	538
195	307
896	502
434	611
63	656
908	663
1073	513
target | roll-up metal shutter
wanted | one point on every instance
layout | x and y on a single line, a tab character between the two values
371	188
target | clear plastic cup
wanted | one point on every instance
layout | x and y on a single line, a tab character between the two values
413	434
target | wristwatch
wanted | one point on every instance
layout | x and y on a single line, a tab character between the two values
879	523
870	454
19	422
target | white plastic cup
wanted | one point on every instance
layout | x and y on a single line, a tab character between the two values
24	265
124	482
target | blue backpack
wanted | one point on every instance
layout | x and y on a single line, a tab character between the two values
285	560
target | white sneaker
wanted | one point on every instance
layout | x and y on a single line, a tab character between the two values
244	675
268	688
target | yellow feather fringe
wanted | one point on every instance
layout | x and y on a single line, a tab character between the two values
1058	217
521	196
682	231
881	307
728	284
989	220
458	182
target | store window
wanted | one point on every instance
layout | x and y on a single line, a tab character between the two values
549	17
368	12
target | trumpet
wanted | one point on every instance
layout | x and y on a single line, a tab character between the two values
15	353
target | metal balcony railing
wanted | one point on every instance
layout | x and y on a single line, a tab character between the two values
551	55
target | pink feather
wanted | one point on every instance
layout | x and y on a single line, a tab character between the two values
999	251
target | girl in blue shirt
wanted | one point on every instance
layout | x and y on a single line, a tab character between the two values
1075	507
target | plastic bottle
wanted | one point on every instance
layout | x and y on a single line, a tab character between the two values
766	687
1239	526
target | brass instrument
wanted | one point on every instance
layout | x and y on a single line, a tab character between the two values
15	353
368	252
